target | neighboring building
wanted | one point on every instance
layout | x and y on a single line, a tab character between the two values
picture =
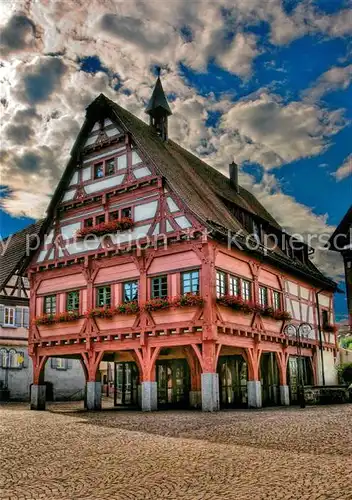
341	241
64	377
187	317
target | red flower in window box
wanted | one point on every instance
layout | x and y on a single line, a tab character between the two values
128	307
157	304
101	312
330	328
188	299
122	224
282	315
49	319
235	303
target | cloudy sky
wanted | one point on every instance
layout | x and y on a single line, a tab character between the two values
266	83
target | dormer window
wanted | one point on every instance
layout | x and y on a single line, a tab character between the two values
256	231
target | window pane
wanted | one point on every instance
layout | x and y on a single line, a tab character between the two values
234	286
126	212
110	167
220	284
103	296
98	170
277	300
114	215
10	316
190	282
263	296
88	222
50	304
100	219
73	301
130	291
159	287
246	290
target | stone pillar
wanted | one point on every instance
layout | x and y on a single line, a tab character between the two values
38	397
210	392
195	399
254	392
149	396
93	396
284	395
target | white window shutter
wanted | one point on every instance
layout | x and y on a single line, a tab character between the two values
2	314
53	363
18	316
69	364
26	317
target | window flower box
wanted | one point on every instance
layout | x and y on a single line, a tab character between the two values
329	328
236	303
101	312
113	226
128	308
157	304
188	300
282	315
49	319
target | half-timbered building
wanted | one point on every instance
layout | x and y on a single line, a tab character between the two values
153	260
63	378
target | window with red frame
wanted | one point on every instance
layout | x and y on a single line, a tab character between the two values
100	219
99	170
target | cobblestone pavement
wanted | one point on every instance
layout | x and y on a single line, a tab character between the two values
282	453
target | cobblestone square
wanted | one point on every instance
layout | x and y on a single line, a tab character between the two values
67	453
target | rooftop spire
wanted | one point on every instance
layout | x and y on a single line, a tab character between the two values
158	108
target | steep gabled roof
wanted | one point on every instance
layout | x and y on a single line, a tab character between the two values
202	188
15	253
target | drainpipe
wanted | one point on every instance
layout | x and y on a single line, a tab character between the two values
320	335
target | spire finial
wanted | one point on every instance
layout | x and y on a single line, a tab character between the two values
158	108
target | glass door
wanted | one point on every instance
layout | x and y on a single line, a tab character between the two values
233	381
126	381
173	382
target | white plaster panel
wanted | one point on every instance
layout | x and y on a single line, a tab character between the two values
295	310
141	172
156	229
304	309
91	140
69	195
69	231
74	179
83	246
122	162
172	205
107	122
135	234
112	131
304	293
103	184
292	288
183	222
51	254
135	158
96	127
324	300
61	253
145	211
310	315
103	155
41	256
169	228
86	174
49	238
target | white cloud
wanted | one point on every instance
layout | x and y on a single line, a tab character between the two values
345	170
47	94
336	78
